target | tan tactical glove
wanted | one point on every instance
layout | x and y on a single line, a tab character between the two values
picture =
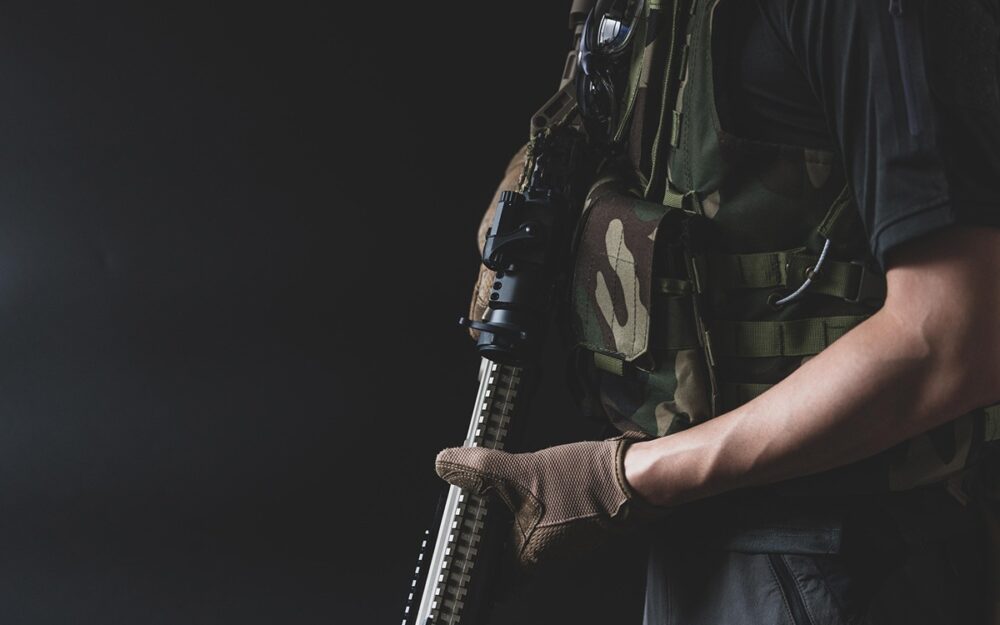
481	291
565	500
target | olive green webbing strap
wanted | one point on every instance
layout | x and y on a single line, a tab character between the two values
735	395
677	115
610	364
578	12
675	327
672	76
765	339
636	66
773	269
673	286
846	280
751	271
836	223
674	199
992	423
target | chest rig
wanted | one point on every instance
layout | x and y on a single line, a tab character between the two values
710	267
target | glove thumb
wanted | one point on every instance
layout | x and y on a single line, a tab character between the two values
467	467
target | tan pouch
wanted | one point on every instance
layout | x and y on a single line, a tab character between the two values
613	279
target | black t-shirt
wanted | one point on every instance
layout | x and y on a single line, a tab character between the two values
905	91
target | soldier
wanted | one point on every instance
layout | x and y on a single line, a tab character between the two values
785	297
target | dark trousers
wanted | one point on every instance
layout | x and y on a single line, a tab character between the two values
915	558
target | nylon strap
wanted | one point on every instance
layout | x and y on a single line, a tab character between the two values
609	363
696	269
682	68
751	271
578	12
636	67
673	199
678	40
834	225
992	424
734	395
674	327
765	339
673	286
675	129
849	281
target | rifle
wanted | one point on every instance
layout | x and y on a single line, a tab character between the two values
528	247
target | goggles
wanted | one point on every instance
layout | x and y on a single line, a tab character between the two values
604	43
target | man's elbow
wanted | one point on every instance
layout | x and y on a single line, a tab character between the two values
946	290
977	355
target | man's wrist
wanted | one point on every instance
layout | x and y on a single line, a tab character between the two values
648	474
681	467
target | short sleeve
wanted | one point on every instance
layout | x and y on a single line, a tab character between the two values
909	90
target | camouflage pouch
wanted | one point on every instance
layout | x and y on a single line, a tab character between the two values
613	277
633	315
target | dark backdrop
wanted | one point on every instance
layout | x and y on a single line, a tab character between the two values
233	246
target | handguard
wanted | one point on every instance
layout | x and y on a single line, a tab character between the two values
528	246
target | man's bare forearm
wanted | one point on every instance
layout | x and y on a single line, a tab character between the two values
921	361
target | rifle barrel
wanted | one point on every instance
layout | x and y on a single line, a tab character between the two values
456	590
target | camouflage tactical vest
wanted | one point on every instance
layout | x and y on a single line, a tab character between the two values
685	252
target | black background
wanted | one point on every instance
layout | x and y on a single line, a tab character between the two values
234	242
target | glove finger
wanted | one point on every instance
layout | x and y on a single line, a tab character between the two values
468	467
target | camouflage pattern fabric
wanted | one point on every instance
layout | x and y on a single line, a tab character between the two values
663	401
613	279
630	270
768	205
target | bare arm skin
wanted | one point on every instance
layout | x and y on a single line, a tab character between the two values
930	355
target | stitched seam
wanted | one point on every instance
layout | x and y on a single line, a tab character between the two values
802	593
781	590
615	267
635	312
583	517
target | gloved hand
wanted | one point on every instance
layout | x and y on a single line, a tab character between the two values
565	499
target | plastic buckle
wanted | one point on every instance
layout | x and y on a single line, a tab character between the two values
871	287
811	274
